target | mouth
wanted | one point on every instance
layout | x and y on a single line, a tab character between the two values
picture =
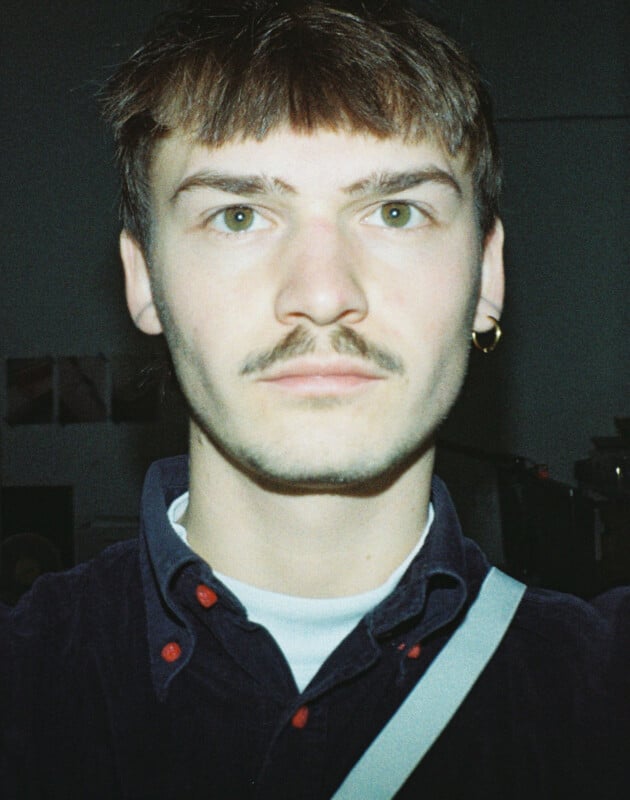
323	378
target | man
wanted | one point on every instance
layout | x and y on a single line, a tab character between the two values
310	195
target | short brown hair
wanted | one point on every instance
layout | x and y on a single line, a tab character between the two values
240	69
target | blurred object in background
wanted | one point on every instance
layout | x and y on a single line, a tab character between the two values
23	558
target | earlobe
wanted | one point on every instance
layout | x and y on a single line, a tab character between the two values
138	286
490	303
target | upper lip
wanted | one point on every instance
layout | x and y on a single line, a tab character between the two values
309	367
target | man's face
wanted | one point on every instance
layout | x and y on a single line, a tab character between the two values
317	293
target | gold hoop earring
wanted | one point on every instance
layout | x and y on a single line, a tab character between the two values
496	335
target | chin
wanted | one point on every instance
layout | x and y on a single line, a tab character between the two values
352	475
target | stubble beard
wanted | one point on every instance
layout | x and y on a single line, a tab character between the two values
264	465
362	473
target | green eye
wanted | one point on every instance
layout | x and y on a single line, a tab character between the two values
396	215
238	218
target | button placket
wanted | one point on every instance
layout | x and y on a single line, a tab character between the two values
206	597
300	719
171	652
414	652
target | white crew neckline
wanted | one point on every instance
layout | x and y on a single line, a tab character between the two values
307	630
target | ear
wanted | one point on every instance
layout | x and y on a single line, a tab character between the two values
492	279
138	286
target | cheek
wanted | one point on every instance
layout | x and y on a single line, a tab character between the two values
429	305
434	275
198	294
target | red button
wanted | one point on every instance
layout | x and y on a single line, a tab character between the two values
414	652
171	652
300	718
205	595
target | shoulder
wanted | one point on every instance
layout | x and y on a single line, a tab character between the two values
63	599
559	617
576	642
551	625
65	617
56	641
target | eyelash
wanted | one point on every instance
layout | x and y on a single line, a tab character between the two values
423	217
216	216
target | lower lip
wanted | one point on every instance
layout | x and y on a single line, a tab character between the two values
322	385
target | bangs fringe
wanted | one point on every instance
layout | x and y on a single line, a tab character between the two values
265	65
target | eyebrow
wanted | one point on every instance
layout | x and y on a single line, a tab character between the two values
378	183
246	185
390	182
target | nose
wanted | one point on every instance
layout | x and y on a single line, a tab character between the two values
320	280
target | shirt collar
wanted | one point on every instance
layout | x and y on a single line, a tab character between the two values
434	587
165	480
162	556
433	590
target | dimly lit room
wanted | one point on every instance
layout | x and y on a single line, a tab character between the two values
314	400
537	450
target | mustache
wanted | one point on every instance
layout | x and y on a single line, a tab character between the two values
343	340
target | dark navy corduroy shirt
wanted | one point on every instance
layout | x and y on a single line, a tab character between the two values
138	675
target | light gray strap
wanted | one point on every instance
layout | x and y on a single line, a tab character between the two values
425	712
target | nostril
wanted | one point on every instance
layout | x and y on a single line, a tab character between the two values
323	302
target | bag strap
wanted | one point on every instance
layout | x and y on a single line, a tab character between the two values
425	712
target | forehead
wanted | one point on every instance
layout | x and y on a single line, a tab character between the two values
318	161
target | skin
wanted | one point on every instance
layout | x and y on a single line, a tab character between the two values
317	292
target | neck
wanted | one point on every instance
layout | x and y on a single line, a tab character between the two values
311	544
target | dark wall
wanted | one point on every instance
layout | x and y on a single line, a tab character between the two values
559	74
556	70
